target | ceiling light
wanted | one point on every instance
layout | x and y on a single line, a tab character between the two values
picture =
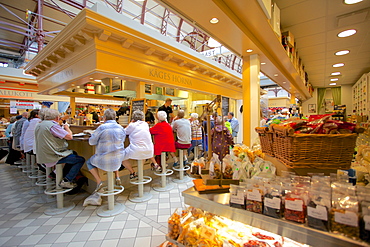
352	1
335	73
338	65
340	53
333	84
97	80
116	77
276	75
91	78
249	50
284	82
334	79
214	20
347	33
263	63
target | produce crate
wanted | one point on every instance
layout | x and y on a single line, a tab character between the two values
267	140
318	151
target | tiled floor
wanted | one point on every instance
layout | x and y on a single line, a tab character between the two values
23	223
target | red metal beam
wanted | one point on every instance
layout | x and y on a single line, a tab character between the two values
164	25
40	32
143	11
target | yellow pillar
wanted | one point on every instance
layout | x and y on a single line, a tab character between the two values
72	104
140	90
251	98
292	99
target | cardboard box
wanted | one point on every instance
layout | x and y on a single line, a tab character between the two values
289	37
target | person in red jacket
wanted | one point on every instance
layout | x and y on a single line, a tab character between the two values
163	139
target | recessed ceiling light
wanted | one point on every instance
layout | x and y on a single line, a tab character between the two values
284	82
116	77
334	79
340	53
276	74
333	84
249	50
263	63
214	20
97	80
91	78
347	33
338	65
352	1
335	73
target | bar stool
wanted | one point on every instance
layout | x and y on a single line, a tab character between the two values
163	186
113	208
141	196
33	174
44	181
181	169
60	207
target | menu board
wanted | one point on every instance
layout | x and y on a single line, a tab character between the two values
225	106
137	104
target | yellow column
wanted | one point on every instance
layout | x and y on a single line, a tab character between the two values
72	102
251	98
292	99
140	90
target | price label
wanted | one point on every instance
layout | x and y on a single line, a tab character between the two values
254	195
296	205
238	198
320	212
347	218
273	202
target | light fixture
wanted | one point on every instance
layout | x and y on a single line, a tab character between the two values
284	82
91	78
335	73
333	84
347	33
249	50
276	74
352	1
343	52
214	20
334	79
338	65
116	77
263	63
97	80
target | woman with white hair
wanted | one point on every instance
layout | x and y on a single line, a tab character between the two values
141	145
196	132
163	139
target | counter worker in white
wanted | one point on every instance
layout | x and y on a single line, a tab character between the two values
28	131
141	145
52	147
182	127
109	139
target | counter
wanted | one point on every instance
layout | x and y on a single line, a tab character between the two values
219	204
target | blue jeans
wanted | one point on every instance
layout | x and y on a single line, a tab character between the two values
76	162
194	143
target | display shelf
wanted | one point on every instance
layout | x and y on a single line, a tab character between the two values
360	95
219	204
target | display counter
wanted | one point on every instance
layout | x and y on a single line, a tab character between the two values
219	204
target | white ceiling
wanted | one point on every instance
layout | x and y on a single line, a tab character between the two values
315	25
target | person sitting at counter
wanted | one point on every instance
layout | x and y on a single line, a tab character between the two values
109	139
52	148
29	132
141	145
163	140
182	127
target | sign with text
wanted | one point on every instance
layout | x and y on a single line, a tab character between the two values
137	104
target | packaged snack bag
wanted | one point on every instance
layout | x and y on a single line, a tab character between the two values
273	200
295	204
255	193
318	207
227	168
237	196
215	167
174	225
363	194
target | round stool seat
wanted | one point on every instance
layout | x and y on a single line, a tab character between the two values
117	189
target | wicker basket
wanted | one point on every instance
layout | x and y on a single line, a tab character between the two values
266	139
318	151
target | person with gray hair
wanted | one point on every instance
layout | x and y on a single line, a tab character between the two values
182	127
52	148
17	132
141	145
109	140
163	139
13	155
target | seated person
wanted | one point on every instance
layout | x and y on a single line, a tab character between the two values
163	139
109	139
141	145
182	127
52	148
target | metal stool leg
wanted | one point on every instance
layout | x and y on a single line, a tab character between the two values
113	208
141	196
181	170
164	186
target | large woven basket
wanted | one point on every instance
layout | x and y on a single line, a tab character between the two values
266	140
318	151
